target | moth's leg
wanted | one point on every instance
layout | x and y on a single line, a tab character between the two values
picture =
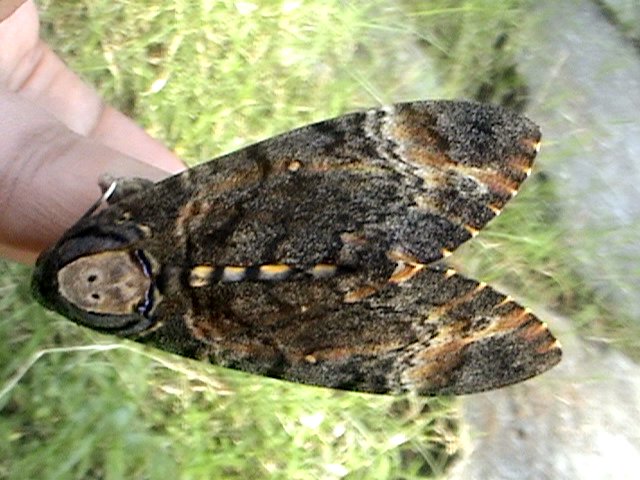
113	189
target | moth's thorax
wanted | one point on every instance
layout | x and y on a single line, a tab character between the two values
112	282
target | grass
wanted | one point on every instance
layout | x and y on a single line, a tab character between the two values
206	78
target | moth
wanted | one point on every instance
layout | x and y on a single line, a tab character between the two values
315	256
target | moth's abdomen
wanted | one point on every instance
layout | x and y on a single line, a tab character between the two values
206	275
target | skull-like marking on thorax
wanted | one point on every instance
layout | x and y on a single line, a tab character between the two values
112	282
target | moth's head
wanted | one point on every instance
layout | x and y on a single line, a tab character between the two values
99	280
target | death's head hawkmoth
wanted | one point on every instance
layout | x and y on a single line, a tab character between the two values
314	256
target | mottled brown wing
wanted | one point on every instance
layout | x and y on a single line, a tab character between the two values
417	178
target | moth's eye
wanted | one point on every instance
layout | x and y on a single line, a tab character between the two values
113	282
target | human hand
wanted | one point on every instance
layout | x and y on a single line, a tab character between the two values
57	139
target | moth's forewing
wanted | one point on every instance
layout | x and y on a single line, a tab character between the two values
303	257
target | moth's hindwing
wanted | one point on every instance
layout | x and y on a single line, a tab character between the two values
309	256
